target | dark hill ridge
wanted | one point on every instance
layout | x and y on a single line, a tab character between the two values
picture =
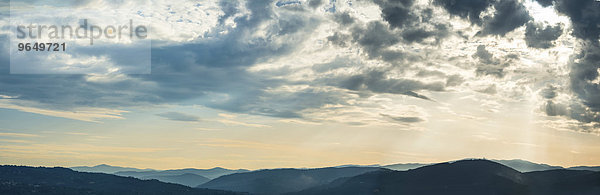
40	180
278	181
464	177
517	164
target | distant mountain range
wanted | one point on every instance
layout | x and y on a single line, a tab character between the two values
208	173
103	168
188	177
457	177
404	167
464	177
587	168
63	181
279	181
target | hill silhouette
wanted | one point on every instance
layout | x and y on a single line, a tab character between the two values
517	164
41	180
278	181
464	177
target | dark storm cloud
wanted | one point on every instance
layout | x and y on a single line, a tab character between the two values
404	22
508	15
573	109
403	119
585	66
375	39
466	9
397	12
414	22
584	15
584	76
545	3
178	116
537	36
585	18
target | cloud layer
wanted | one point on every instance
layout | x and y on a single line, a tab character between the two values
293	59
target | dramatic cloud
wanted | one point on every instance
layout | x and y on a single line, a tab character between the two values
204	69
584	77
584	73
375	39
414	21
537	36
545	3
584	17
509	15
295	59
398	13
466	9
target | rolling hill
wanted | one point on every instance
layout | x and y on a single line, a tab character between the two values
279	181
40	180
464	177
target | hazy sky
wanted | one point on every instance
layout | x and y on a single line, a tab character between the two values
311	83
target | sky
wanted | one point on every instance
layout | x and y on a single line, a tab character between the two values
314	83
